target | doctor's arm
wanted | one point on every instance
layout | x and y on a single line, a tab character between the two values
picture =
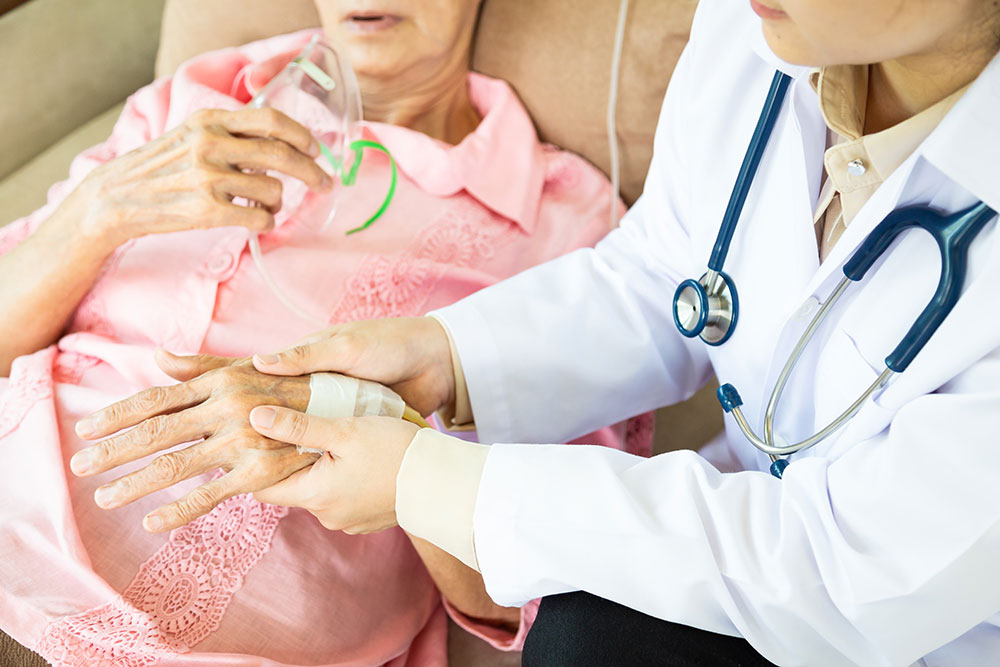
878	556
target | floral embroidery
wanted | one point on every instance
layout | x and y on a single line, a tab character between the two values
399	285
177	598
30	382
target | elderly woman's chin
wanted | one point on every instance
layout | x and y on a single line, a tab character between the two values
377	52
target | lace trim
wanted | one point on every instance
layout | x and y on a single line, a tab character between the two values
30	382
177	598
399	285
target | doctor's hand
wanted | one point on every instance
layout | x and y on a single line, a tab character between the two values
187	178
352	486
213	402
410	355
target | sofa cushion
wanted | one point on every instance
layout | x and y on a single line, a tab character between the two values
24	190
64	62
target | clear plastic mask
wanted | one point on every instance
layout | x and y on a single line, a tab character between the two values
319	90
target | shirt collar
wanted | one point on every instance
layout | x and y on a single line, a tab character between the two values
843	95
966	144
500	163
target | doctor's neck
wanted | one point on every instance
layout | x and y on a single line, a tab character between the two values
903	87
918	51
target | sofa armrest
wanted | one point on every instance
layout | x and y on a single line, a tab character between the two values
65	62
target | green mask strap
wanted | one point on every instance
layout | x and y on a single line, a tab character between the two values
351	176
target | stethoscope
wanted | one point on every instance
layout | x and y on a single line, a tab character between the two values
709	307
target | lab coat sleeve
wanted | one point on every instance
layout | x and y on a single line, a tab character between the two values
877	557
588	339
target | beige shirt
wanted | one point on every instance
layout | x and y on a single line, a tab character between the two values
857	164
438	480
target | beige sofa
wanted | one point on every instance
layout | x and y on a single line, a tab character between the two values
69	66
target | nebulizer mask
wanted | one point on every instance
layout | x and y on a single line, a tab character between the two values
319	90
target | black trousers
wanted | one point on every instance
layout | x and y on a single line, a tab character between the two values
580	629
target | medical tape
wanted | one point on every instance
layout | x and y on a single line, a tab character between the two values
333	395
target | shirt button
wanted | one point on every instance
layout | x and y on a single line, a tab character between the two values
856	167
221	264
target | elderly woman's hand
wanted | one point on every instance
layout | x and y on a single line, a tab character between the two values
188	177
352	486
214	405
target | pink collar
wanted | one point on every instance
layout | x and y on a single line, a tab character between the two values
500	163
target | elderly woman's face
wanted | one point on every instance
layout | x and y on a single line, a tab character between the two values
859	32
390	38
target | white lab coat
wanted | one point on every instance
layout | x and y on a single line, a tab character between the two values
881	545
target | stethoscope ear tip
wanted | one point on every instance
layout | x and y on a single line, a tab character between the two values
728	397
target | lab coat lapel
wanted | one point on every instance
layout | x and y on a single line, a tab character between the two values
883	201
793	233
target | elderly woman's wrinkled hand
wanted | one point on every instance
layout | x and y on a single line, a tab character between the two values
188	177
352	486
211	407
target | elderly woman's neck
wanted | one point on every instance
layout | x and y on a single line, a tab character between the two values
440	108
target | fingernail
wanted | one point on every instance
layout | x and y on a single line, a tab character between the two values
266	359
85	428
262	416
82	461
152	523
105	496
314	148
327	181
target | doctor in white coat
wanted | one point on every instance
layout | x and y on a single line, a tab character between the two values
881	544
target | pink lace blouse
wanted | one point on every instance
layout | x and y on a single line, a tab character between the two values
253	584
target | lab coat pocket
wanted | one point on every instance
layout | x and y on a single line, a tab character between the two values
843	373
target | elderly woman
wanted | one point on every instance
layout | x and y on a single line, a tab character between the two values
143	247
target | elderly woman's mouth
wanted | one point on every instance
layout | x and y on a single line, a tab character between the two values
369	22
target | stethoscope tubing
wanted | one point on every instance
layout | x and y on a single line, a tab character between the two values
748	169
953	233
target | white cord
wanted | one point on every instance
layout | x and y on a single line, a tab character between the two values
258	260
616	60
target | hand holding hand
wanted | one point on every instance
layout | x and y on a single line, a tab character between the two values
213	403
352	486
411	356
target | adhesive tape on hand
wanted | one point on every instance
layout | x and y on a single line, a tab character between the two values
334	395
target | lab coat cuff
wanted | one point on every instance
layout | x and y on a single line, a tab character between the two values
436	491
482	365
456	416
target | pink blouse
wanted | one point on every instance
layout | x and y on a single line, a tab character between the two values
254	584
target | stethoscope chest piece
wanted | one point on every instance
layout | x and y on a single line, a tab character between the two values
707	307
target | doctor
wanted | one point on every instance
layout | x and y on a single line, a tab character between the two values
877	546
